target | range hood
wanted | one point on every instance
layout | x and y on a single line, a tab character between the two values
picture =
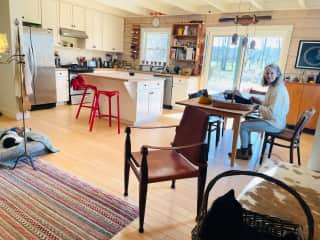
73	33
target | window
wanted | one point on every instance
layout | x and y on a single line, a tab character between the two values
155	45
230	66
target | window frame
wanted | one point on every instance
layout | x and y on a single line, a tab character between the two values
152	30
285	31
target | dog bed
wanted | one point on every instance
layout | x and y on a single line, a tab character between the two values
37	144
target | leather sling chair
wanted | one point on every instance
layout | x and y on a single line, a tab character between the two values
186	158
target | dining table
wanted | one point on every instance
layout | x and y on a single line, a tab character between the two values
236	115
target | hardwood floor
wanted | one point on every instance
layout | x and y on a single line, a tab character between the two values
97	157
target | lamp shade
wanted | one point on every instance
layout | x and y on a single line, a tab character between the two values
3	43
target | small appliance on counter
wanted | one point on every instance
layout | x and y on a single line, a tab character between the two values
57	60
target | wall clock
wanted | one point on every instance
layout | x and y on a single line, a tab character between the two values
155	22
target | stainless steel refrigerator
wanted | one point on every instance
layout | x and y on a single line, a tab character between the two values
39	51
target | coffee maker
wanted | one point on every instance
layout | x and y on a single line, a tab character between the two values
108	62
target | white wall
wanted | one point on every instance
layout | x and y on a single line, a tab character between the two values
314	161
8	105
69	55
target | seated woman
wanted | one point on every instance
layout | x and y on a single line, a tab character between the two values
273	110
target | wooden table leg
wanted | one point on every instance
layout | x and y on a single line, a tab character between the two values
236	125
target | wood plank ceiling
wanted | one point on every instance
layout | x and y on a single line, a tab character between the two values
134	8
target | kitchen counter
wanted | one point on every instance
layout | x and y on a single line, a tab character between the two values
141	95
144	72
124	76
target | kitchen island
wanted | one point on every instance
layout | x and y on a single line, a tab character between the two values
141	95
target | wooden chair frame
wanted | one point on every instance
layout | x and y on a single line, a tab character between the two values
141	170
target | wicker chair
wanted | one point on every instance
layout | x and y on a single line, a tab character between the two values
289	135
187	158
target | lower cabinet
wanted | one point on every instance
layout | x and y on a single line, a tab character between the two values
182	86
149	100
62	86
303	97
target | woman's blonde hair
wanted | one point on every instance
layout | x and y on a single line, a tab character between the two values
277	69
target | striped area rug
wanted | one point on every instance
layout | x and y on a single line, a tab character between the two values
50	204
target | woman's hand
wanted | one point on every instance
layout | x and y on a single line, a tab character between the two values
255	100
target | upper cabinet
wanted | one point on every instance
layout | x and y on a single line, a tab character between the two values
113	29
50	17
72	16
94	27
31	11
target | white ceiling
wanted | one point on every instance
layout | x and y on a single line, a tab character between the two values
184	7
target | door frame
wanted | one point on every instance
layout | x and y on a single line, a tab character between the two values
285	31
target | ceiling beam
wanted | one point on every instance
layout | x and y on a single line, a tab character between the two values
218	4
125	6
258	4
302	3
182	5
155	6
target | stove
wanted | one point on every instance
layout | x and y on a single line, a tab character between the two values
73	71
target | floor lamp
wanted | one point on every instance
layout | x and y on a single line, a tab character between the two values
18	57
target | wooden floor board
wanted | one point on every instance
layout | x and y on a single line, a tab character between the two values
97	157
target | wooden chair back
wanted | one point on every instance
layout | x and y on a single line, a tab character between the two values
302	122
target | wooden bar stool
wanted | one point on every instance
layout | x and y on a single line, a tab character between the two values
108	94
86	87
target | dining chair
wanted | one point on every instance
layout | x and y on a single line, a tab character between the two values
186	158
214	123
288	135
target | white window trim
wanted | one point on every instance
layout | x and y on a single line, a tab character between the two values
145	30
285	31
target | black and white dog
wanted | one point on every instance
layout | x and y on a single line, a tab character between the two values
10	138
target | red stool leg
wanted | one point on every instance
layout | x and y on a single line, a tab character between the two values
109	98
92	105
81	102
118	112
96	105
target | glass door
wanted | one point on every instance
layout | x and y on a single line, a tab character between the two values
230	66
267	50
224	64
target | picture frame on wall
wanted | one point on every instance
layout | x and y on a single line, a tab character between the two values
308	56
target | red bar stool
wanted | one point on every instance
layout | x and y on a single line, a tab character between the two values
108	94
94	89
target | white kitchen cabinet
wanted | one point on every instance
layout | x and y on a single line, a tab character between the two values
79	18
50	17
149	100
62	86
72	16
94	26
182	86
113	28
31	11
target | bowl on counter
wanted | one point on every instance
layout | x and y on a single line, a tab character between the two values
131	73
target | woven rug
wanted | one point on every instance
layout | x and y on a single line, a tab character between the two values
50	204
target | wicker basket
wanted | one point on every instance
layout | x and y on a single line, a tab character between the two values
271	227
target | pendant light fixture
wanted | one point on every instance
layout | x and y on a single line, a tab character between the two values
235	36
